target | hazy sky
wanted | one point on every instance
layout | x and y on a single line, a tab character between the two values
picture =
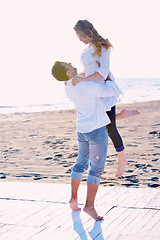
35	33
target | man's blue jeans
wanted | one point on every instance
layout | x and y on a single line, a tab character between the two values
91	146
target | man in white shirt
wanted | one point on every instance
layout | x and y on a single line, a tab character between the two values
91	129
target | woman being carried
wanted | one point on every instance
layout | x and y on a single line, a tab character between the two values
96	61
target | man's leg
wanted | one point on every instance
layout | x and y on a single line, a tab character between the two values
97	152
81	165
74	199
89	206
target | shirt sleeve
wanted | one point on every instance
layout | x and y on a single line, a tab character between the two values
109	89
104	61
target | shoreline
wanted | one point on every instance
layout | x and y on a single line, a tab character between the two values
42	147
53	110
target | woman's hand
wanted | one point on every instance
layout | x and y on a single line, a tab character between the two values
76	79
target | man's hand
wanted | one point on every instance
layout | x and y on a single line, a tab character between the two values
76	79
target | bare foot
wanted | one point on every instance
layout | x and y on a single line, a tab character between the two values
121	167
125	113
92	212
74	205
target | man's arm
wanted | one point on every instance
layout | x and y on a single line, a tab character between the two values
109	89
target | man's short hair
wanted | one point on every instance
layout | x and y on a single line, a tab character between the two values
59	72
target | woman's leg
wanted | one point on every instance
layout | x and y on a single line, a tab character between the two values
122	163
117	141
113	132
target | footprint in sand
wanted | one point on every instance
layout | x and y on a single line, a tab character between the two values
130	185
58	155
47	142
158	124
149	165
5	151
65	166
73	155
154	179
48	158
69	171
129	177
154	132
39	178
134	181
155	154
110	163
19	176
129	171
3	177
153	185
132	145
140	165
155	169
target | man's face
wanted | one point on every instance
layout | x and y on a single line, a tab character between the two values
70	68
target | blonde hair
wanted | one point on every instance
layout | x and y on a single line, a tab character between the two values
85	29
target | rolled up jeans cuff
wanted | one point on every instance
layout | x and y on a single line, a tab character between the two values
93	179
77	175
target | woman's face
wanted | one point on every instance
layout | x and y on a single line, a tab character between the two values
82	39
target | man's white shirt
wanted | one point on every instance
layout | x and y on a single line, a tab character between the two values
90	108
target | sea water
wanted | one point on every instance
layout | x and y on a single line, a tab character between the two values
52	97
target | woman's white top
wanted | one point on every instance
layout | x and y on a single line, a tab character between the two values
90	66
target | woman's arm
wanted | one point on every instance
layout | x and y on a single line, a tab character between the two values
82	74
93	76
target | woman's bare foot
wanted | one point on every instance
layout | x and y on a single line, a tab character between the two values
74	205
92	212
125	113
122	164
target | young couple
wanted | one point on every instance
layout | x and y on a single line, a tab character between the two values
94	94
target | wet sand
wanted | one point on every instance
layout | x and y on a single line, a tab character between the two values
43	147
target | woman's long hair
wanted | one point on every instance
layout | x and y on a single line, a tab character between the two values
86	30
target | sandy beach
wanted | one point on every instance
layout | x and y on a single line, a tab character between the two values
43	147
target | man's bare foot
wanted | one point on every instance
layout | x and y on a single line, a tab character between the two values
92	212
121	168
125	113
74	205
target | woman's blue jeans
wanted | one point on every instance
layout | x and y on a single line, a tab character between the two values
92	147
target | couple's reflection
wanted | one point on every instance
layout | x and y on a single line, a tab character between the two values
79	228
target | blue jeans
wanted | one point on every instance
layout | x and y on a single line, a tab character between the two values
91	146
113	132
